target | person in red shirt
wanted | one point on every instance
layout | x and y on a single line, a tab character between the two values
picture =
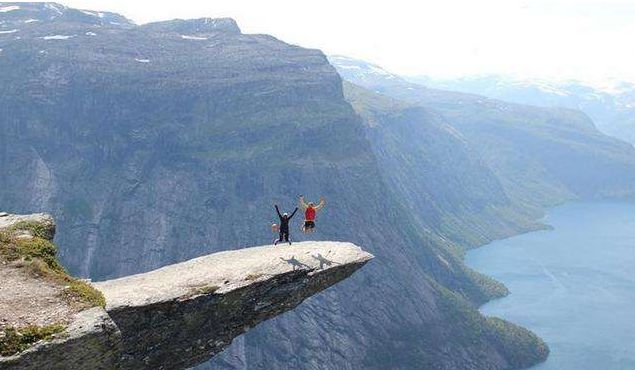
310	212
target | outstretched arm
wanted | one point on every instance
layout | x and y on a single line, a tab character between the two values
303	203
294	211
278	211
321	205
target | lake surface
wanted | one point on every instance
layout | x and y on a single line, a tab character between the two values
574	286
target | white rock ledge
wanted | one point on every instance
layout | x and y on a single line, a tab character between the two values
183	314
228	271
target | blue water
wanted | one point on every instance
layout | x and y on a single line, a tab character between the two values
574	286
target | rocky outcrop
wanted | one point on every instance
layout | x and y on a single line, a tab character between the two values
91	341
46	224
183	314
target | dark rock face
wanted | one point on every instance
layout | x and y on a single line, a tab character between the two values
159	143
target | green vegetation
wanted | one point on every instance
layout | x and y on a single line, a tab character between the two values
14	340
491	287
33	249
39	256
35	228
522	347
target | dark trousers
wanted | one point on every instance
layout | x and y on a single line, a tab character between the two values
284	236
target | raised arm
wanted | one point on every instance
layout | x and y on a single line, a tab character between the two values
321	205
303	203
294	211
278	211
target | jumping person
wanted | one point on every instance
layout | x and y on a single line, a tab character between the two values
284	225
310	212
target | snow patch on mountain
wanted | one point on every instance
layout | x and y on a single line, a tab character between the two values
360	69
6	9
92	13
55	7
190	37
57	37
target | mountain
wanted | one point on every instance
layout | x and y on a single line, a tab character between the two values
437	175
158	143
612	107
541	156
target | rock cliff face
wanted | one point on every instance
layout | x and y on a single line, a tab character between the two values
160	143
541	156
183	314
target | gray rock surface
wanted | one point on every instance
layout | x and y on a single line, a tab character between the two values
181	315
91	341
43	219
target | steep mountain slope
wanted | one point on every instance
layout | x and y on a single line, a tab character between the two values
612	108
440	178
541	156
154	144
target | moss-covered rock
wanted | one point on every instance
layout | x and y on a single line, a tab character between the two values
15	340
39	256
26	243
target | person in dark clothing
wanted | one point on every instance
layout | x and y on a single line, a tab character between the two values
284	225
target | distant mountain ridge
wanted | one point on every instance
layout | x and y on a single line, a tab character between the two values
612	108
541	155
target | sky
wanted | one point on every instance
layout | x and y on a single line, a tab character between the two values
588	40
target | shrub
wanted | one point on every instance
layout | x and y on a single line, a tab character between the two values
37	229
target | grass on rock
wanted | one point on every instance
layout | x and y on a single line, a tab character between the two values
38	256
13	341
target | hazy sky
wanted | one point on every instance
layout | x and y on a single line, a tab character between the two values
583	39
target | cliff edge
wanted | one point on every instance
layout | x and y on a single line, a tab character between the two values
177	316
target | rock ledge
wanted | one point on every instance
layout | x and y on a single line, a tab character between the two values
183	314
